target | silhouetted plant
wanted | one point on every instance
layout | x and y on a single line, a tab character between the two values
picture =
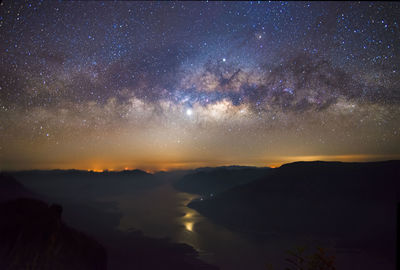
319	260
299	260
296	259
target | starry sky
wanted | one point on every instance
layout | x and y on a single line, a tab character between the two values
166	85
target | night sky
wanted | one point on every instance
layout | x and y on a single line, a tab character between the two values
158	86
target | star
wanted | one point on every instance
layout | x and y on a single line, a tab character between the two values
256	82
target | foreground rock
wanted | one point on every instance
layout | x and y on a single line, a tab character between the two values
33	236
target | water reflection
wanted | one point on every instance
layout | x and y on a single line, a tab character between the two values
188	221
162	212
189	226
188	215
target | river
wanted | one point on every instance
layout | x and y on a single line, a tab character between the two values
162	212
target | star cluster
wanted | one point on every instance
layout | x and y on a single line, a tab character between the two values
161	85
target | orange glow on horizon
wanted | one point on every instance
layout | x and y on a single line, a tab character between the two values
339	158
95	170
158	165
171	166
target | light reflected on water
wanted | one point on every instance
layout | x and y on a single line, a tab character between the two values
191	216
189	226
188	215
162	212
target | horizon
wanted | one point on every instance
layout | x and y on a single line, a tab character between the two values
343	159
163	86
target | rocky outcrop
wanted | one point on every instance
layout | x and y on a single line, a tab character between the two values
33	236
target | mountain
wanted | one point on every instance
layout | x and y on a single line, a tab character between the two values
352	202
84	185
210	181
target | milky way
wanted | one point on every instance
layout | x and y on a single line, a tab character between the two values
163	85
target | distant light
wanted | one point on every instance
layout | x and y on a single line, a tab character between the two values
189	112
223	59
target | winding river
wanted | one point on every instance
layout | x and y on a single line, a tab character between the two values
162	213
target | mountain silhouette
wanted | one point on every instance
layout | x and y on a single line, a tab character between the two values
210	181
82	185
354	203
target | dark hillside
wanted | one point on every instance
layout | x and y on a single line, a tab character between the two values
209	181
352	202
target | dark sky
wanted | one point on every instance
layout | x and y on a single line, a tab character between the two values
162	85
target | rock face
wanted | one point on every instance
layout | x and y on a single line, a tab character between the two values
33	235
